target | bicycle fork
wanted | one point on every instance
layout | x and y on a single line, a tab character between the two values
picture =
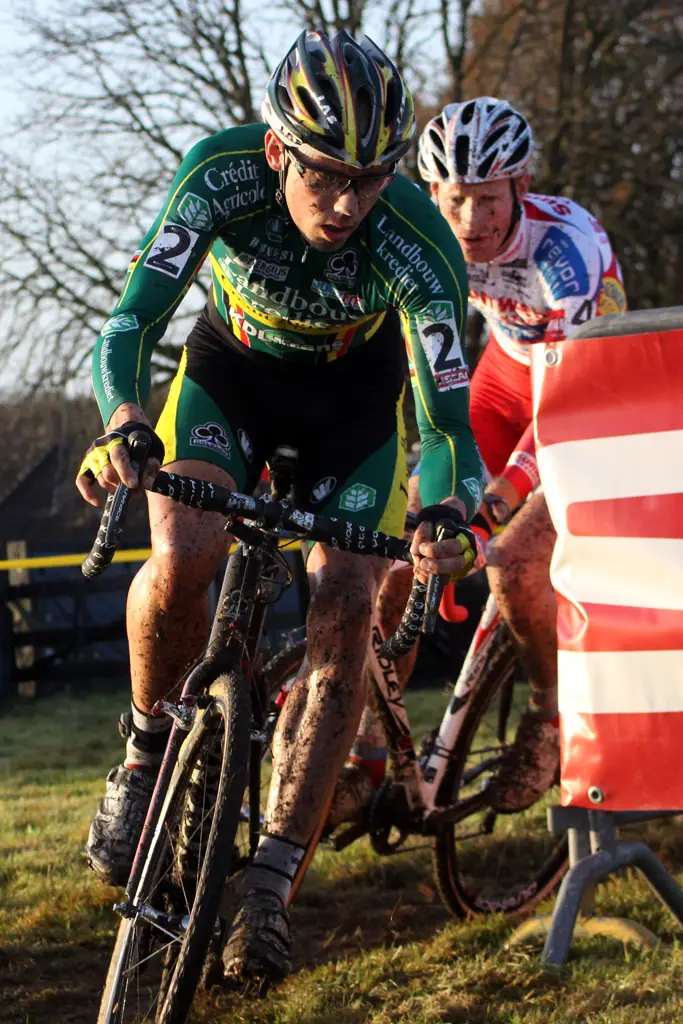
434	768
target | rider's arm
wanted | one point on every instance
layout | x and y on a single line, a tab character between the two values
451	464
520	476
581	279
161	271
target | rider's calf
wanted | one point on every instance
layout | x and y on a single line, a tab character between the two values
518	567
328	701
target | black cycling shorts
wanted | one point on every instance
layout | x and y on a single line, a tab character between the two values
231	407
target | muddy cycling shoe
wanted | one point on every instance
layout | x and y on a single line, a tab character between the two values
528	767
117	826
352	795
258	951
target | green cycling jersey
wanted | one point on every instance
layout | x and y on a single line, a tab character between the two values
276	295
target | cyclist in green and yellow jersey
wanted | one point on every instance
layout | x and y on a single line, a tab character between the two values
320	255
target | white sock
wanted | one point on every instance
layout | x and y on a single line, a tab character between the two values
275	866
147	741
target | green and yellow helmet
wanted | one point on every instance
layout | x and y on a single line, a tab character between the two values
344	98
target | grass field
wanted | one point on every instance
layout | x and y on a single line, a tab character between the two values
373	942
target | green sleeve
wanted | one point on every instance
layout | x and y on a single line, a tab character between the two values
434	312
169	257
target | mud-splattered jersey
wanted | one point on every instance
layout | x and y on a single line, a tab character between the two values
558	271
276	294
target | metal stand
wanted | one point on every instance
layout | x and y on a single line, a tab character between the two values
594	853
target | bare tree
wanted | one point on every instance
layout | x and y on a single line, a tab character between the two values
602	83
119	91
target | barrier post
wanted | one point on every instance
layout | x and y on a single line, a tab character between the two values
23	657
609	434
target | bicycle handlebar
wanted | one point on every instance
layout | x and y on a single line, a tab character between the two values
421	611
268	514
113	517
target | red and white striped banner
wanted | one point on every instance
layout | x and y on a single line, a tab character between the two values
609	431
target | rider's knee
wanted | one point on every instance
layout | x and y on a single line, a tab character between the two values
181	573
505	553
342	602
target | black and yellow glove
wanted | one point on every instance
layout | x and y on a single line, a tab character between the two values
459	530
98	455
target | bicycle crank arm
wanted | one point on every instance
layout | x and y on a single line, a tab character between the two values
454	813
345	838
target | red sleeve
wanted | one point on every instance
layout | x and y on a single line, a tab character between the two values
521	469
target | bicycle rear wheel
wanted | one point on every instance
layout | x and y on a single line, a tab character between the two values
160	949
494	863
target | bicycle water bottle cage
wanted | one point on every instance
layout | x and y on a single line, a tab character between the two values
282	466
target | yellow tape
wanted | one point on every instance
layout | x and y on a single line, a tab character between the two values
132	555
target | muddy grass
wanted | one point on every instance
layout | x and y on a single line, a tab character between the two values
373	943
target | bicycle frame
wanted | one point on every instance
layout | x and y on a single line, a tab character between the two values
234	639
422	782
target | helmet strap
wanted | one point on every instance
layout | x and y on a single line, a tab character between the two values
282	178
516	213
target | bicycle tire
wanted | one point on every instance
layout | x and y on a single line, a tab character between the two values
497	662
231	706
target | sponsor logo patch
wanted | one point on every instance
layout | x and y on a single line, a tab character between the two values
264	268
561	265
120	322
349	300
276	229
342	268
323	489
195	211
213	436
474	486
612	297
438	333
357	497
171	249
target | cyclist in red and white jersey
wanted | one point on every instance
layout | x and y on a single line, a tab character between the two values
538	267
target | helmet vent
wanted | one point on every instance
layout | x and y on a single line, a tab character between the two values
502	116
364	109
284	100
330	95
350	55
441	166
467	113
462	154
391	104
308	103
436	140
485	166
518	155
521	127
493	139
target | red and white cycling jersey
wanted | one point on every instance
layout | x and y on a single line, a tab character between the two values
558	271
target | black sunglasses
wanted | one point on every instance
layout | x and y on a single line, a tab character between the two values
333	184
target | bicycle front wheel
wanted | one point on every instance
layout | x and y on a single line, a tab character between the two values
494	863
160	948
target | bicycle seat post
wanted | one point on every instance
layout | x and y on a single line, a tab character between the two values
282	466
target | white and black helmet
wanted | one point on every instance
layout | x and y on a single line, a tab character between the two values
480	140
